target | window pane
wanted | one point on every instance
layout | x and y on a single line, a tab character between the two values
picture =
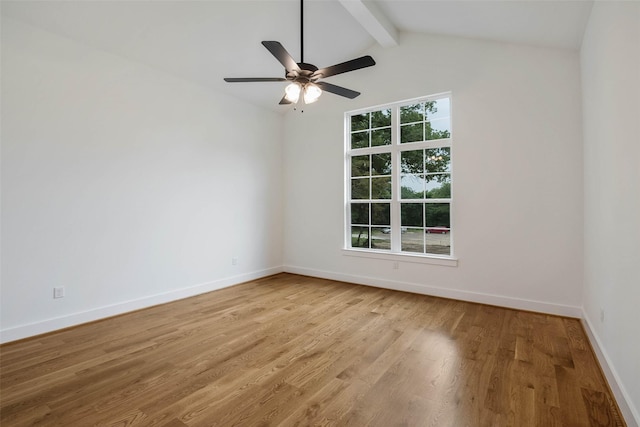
412	161
412	113
437	159
438	109
437	215
360	166
381	214
381	137
381	118
359	213
360	140
411	214
359	237
438	186
413	240
437	232
381	164
412	187
360	188
437	129
411	133
380	238
438	244
360	122
381	188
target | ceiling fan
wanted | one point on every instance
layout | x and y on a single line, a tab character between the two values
305	78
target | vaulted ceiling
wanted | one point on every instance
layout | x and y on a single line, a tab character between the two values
204	41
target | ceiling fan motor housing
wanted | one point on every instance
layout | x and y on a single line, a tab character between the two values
304	74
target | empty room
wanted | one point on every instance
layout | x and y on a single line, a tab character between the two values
320	212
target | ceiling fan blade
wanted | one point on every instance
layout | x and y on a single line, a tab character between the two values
253	79
338	90
281	55
284	101
354	64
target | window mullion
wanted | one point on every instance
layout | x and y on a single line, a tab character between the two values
395	180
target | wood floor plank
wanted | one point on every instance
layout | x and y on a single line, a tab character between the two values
599	408
294	350
571	411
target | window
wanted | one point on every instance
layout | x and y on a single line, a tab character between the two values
398	169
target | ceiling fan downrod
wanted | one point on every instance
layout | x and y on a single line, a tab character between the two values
302	31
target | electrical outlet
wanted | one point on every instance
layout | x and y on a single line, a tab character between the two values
234	260
396	265
601	315
58	292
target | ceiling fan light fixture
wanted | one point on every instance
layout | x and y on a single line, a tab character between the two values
311	93
292	92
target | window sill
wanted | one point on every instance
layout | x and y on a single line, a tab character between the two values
418	259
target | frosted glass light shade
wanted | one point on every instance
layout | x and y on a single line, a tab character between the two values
311	93
292	92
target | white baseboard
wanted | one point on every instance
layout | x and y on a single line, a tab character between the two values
502	301
629	412
49	325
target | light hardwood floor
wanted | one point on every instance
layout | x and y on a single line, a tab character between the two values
291	350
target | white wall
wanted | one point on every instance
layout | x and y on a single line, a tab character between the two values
610	61
125	185
517	161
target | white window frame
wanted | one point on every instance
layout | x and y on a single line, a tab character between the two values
395	254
